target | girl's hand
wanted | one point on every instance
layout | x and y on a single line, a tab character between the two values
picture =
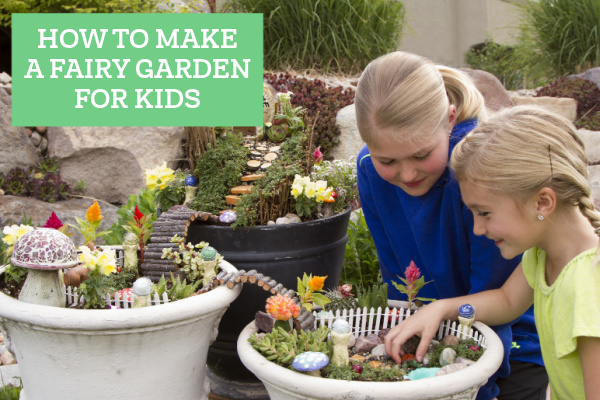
424	323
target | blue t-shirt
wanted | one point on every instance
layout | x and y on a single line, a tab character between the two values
435	231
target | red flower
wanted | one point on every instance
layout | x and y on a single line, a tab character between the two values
137	215
412	273
53	222
318	155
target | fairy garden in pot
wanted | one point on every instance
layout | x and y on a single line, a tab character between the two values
339	335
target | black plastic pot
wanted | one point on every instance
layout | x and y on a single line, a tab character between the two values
282	252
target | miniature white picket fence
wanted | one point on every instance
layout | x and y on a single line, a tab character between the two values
364	322
73	297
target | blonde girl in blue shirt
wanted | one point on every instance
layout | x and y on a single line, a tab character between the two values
523	174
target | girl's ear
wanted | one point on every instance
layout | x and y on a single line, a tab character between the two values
545	201
452	116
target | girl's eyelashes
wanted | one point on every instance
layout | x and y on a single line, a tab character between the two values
386	162
420	158
482	213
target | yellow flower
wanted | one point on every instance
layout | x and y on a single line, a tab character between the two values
282	308
14	232
93	213
316	282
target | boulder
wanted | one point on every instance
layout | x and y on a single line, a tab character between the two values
112	160
493	91
564	106
12	208
592	75
16	148
350	142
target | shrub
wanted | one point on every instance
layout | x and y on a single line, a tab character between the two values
566	32
338	35
144	200
585	92
322	104
361	263
512	65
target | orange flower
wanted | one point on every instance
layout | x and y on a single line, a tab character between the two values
316	282
282	308
93	213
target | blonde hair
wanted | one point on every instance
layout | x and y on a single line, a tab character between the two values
409	92
523	149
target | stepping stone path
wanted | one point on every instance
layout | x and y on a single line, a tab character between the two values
262	154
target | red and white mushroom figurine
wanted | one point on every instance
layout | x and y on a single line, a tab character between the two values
44	251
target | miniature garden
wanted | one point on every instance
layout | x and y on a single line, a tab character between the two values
175	247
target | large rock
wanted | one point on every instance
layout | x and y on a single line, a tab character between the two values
16	149
350	141
13	207
592	75
493	91
112	160
564	106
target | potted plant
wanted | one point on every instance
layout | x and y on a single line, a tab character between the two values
149	352
306	364
319	193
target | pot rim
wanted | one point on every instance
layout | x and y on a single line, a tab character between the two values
286	226
321	388
49	317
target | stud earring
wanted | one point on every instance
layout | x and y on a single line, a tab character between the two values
540	217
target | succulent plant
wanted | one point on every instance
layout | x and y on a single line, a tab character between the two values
62	189
2	179
16	182
282	347
48	164
45	190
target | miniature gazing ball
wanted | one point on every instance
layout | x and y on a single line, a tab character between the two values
142	287
340	326
466	311
44	249
191	181
208	253
227	217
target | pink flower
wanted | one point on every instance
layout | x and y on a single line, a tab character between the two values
412	273
318	155
345	290
53	222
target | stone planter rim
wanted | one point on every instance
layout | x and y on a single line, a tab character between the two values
94	320
322	388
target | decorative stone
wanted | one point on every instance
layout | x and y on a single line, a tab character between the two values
36	138
264	322
265	165
447	357
450	340
422	373
383	333
378	351
411	345
359	358
375	364
366	343
274	149
227	217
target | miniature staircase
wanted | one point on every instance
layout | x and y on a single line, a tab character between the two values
233	198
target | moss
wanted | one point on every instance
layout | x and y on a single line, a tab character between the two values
219	169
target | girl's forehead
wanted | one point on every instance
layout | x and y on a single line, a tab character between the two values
399	144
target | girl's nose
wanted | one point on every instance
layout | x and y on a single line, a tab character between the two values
478	228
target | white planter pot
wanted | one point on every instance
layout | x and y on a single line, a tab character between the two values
284	384
156	352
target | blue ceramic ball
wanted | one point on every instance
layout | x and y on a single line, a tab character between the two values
466	311
191	181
